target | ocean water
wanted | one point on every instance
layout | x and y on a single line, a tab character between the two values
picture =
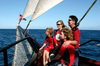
90	50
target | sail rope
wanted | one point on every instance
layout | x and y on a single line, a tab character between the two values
85	14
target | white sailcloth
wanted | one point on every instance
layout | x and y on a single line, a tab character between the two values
30	8
43	6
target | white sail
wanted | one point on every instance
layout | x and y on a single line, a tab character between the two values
30	8
43	6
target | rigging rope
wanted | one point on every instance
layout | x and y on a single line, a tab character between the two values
85	14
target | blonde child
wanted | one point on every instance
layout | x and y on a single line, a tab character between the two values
51	40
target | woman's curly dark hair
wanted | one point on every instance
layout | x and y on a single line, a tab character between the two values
68	33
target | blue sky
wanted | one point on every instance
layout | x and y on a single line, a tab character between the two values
10	10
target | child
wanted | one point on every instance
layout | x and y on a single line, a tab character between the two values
51	40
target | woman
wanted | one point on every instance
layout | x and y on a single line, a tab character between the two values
60	25
50	46
66	54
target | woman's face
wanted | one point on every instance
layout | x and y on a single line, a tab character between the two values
59	25
62	35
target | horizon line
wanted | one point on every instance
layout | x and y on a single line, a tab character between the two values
44	29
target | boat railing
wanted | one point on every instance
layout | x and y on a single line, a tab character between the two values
86	60
89	41
4	50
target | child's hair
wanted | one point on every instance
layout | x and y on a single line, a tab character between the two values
50	30
68	33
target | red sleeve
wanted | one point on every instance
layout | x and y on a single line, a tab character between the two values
71	50
46	40
55	41
55	32
62	50
77	36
